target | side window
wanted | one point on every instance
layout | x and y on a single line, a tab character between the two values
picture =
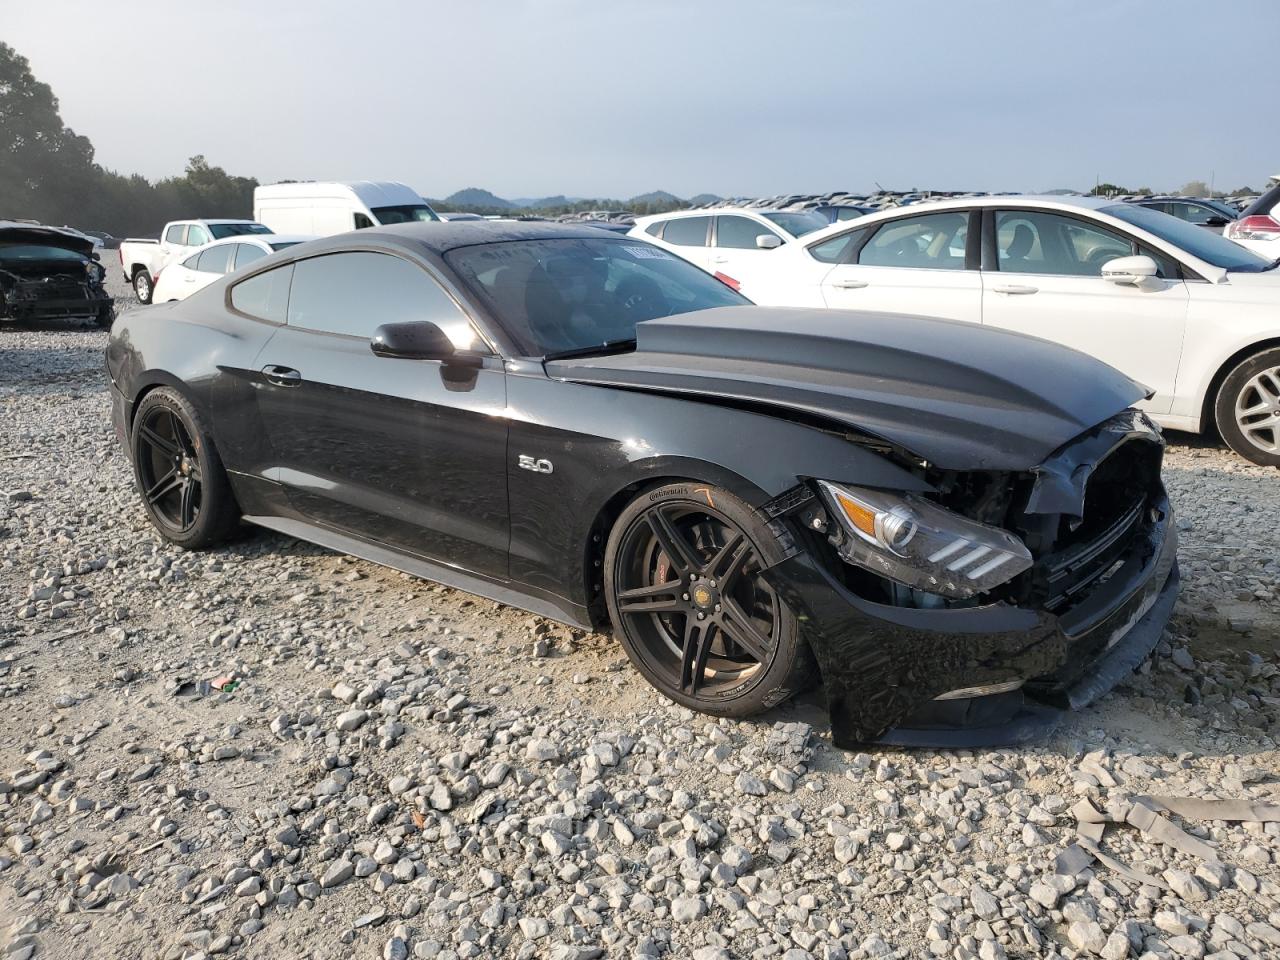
838	249
246	253
332	294
687	231
655	229
215	259
176	234
265	296
361	221
1191	212
739	232
191	261
1033	242
933	241
197	236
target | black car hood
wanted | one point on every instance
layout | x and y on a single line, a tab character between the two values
11	231
962	396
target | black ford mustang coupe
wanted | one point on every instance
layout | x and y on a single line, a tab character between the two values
962	530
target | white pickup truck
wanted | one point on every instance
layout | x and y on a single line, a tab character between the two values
142	260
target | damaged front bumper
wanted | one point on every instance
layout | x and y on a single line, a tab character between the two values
26	306
994	674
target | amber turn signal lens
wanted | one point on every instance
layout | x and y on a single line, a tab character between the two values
861	517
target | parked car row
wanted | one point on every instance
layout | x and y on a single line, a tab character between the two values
1190	314
141	260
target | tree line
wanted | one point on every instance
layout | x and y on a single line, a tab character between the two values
48	173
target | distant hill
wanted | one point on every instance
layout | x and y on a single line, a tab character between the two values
705	198
656	197
475	197
478	200
537	203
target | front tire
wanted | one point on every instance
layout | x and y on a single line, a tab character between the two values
184	487
143	286
1247	408
683	584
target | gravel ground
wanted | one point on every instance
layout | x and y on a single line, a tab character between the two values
408	771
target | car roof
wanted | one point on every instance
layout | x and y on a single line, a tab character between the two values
712	211
440	236
264	239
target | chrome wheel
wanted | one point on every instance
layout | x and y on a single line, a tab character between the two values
142	287
1257	410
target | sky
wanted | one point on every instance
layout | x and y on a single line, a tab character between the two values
612	98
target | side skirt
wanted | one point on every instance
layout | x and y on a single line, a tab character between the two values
557	609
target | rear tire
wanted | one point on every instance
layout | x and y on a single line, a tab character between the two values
1247	408
683	586
143	286
105	316
180	476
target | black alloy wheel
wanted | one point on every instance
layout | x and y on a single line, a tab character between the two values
169	469
697	618
184	487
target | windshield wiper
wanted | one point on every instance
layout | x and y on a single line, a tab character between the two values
599	349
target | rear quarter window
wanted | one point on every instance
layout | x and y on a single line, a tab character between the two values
264	296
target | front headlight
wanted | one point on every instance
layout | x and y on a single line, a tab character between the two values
919	544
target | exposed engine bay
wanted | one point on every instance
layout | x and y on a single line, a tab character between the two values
50	273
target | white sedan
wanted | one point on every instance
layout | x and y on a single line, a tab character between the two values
182	278
729	242
1185	311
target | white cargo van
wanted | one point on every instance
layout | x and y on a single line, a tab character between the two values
321	209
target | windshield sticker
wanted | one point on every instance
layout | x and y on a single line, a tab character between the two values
641	252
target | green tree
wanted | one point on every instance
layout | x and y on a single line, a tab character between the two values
45	167
1195	188
48	173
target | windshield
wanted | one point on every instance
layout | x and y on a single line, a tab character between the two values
220	230
407	213
798	224
34	251
1228	211
1210	247
562	295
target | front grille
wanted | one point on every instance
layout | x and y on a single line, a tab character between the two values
1117	513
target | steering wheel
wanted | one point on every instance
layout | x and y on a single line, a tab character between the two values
642	298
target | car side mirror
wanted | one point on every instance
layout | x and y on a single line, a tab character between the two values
768	241
419	340
1216	222
96	255
1129	270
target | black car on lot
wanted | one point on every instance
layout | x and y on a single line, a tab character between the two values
962	530
1210	214
50	273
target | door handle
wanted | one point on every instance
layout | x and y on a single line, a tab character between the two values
719	259
850	284
1014	289
281	376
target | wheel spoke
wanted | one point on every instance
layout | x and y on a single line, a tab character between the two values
1257	408
163	444
658	598
742	630
163	487
180	435
678	550
729	561
1268	384
187	505
698	635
